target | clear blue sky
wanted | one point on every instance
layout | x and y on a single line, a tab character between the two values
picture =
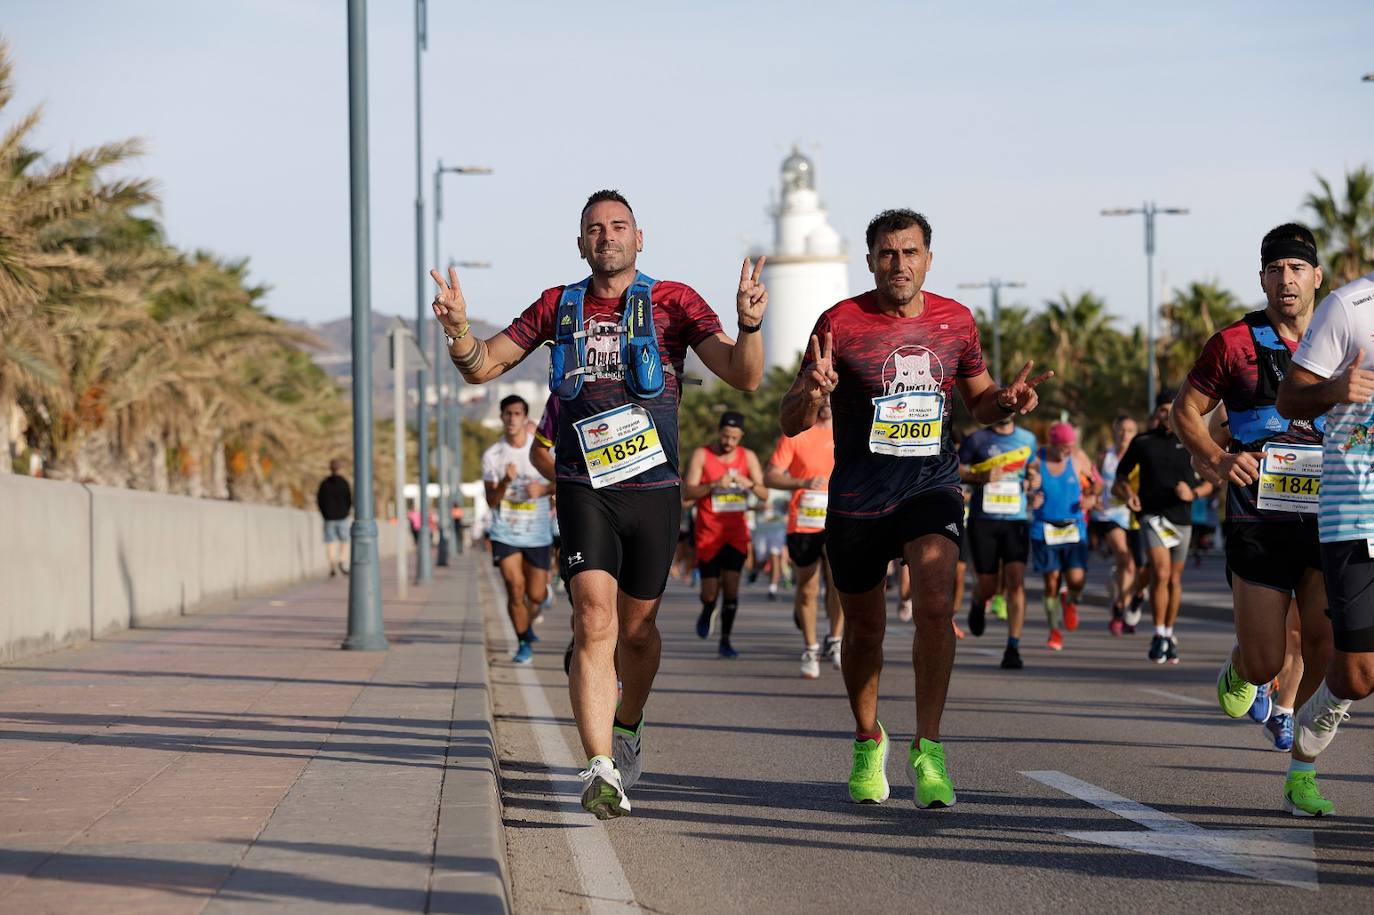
1009	124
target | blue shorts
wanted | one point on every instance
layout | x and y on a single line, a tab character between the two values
336	531
1060	558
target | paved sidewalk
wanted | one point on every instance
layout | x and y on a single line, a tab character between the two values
240	761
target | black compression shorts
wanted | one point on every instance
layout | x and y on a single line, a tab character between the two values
860	548
992	542
1272	554
727	559
632	534
1349	574
806	549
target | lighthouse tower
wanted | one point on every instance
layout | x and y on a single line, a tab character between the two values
807	270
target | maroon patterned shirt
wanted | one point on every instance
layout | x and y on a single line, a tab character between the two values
681	319
879	353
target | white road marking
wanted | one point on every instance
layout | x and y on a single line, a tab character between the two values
989	652
1283	856
603	880
1177	697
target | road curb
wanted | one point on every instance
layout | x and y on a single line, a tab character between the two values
470	869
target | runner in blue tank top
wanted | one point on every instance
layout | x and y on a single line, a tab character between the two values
1065	485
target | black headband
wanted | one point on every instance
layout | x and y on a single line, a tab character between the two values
1282	248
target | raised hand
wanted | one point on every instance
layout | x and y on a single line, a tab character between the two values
822	378
449	305
751	300
1354	385
1019	396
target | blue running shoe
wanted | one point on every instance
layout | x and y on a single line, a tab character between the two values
727	650
530	636
1280	727
1262	706
524	654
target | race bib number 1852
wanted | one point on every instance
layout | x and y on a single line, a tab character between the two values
619	444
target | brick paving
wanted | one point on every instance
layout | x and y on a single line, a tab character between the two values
239	760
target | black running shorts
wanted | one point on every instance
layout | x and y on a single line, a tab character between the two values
996	541
727	559
1349	574
541	557
860	548
1272	554
632	534
806	549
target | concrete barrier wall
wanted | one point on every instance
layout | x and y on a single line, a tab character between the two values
81	560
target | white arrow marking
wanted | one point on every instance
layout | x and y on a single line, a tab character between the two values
1282	856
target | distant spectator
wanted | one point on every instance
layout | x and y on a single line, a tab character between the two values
335	500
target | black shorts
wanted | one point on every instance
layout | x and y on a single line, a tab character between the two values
806	549
860	548
1272	554
631	534
727	559
1135	542
541	557
994	541
1349	574
1100	530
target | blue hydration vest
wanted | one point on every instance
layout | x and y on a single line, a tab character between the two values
1251	428
639	356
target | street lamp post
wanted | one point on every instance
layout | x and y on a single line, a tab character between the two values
1148	210
996	285
423	568
444	509
365	628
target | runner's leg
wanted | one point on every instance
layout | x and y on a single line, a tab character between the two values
932	651
592	678
808	587
833	611
637	654
1261	630
865	617
1318	645
1294	670
513	575
1014	589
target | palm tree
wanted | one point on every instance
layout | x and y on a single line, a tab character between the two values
1345	226
1191	317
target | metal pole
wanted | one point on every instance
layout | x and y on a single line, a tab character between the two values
1149	307
423	568
365	629
398	421
441	509
456	434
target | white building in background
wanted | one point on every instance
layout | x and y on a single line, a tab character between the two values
807	270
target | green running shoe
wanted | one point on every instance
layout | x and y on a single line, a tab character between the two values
1234	694
926	769
868	777
998	606
1302	798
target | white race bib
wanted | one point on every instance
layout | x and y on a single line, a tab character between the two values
1061	535
729	502
1166	532
1290	478
1004	497
909	424
619	444
521	517
811	510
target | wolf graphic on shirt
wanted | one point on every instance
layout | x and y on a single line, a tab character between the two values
603	349
917	370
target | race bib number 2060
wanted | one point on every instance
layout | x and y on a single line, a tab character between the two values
909	424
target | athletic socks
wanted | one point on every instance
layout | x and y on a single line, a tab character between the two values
1052	611
860	736
708	607
1013	642
632	728
1298	765
1162	631
1169	632
523	636
727	618
1280	710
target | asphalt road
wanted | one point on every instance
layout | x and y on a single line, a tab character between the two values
743	804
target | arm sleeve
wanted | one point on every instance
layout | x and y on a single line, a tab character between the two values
1210	374
1325	348
782	454
534	325
699	320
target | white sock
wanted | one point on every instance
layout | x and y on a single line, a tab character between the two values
1169	631
813	648
1161	630
1280	710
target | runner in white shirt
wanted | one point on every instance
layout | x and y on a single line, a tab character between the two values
1333	373
521	533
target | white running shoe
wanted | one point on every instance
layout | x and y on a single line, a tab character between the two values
811	663
1317	720
627	750
904	611
832	651
604	793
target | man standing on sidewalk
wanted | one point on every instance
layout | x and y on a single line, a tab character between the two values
335	500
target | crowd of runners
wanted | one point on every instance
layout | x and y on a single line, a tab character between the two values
887	504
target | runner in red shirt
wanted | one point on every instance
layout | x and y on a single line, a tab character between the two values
803	464
616	461
721	477
888	359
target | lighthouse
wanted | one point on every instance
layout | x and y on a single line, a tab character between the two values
807	270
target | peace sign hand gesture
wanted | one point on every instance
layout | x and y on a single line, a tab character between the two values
822	379
751	300
1019	396
449	305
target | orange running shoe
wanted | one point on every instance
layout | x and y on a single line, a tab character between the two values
1070	612
1056	641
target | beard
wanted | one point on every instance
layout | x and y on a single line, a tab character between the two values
611	260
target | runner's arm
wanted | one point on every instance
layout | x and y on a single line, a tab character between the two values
692	487
739	363
985	400
1190	408
778	478
756	476
1306	395
541	456
1122	487
480	361
495	491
